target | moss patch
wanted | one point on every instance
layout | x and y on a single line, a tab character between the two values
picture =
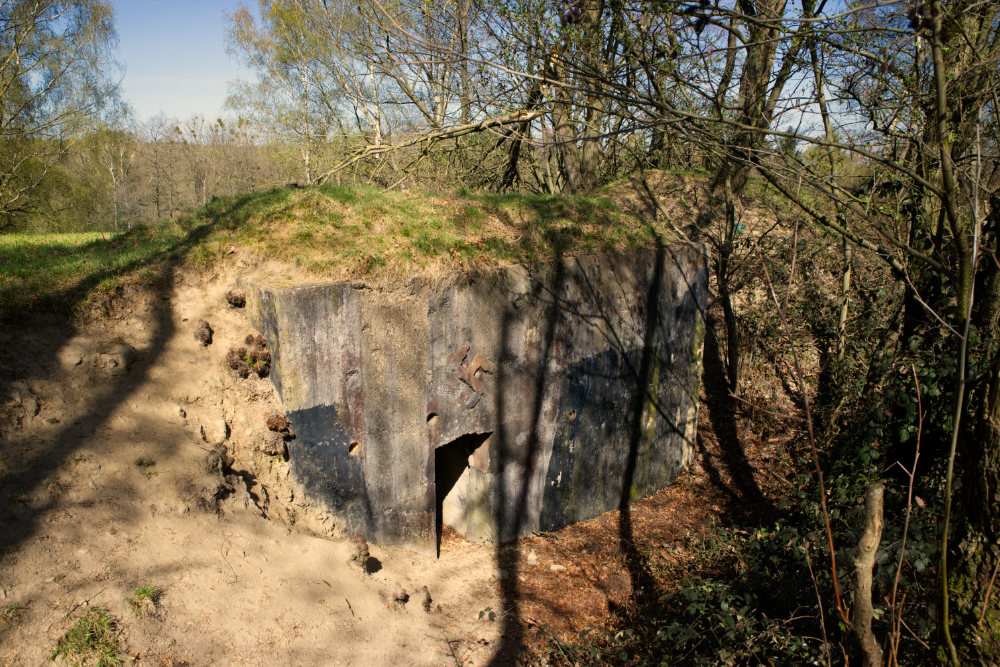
968	582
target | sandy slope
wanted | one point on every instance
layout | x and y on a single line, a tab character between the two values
106	487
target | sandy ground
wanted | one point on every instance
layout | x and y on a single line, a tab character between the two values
108	484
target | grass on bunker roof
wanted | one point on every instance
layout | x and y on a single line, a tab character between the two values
337	233
317	233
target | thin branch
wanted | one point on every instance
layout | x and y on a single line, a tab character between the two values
431	137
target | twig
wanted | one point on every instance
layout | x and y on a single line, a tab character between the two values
773	413
897	612
659	208
451	650
406	170
431	137
986	599
916	295
777	476
87	602
919	640
819	602
349	607
791	270
236	577
552	637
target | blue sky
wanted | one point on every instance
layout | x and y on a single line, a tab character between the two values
174	54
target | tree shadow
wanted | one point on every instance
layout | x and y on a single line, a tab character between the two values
511	511
50	332
644	587
741	489
646	360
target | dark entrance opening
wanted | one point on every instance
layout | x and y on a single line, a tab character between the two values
452	471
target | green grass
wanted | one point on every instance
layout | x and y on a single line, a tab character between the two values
144	598
93	639
64	273
38	271
318	233
336	233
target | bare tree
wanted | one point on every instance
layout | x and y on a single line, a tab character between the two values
116	148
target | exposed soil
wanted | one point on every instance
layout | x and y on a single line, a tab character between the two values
131	454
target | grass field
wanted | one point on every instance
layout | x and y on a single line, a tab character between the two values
321	233
55	272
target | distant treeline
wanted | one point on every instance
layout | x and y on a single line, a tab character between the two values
115	179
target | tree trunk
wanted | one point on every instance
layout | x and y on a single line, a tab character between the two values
972	583
725	296
864	563
845	290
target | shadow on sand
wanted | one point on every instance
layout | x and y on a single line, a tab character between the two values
43	335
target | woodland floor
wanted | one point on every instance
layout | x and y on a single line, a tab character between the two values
104	487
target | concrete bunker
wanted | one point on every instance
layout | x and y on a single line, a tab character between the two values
512	401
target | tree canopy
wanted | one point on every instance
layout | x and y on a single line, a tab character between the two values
56	76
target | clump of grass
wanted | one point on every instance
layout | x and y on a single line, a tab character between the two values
339	233
203	256
144	599
93	639
11	613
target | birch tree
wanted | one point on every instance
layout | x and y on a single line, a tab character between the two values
56	75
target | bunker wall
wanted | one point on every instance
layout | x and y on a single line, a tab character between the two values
503	403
